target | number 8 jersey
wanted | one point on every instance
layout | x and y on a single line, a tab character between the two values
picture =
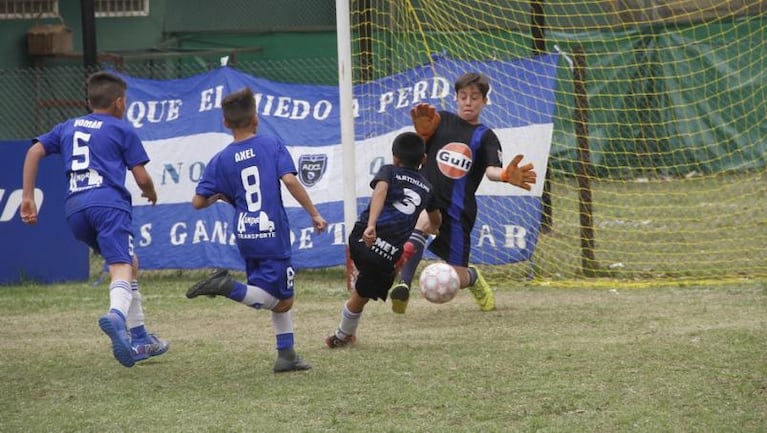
248	174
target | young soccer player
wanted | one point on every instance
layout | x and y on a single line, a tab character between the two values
247	174
98	149
455	186
376	243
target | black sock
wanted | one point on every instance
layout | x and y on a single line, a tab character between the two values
418	239
473	276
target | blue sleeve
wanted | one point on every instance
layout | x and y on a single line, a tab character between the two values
285	162
207	185
51	140
133	148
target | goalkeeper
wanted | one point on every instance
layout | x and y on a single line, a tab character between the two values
460	151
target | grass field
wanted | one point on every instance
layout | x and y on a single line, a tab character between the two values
550	359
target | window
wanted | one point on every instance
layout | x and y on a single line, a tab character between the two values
35	9
122	8
28	9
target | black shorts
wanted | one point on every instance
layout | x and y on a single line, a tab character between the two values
376	272
453	243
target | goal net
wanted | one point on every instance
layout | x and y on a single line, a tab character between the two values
656	164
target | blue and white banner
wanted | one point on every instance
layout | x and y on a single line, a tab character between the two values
181	124
46	252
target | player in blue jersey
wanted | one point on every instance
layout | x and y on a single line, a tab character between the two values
376	242
460	152
247	174
98	149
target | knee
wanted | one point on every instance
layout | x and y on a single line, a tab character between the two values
283	306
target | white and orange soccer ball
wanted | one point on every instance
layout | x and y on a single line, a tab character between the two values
439	283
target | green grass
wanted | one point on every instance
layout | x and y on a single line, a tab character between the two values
698	228
658	359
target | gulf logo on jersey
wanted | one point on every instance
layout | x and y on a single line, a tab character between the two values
454	160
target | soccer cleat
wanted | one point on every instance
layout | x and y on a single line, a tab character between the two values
399	296
482	292
283	365
334	342
114	326
148	347
218	283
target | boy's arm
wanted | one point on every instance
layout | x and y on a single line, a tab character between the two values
302	197
376	206
201	202
29	176
145	183
435	220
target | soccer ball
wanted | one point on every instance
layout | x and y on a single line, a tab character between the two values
439	283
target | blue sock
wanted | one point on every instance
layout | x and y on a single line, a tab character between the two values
238	291
285	341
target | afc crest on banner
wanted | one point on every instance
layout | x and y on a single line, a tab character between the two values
311	168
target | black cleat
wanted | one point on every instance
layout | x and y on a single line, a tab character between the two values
332	341
219	283
283	365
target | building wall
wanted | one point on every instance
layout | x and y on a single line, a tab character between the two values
307	26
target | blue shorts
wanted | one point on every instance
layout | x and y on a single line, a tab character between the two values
275	276
109	231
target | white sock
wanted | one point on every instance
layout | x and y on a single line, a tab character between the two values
135	315
282	322
258	298
349	323
283	333
120	296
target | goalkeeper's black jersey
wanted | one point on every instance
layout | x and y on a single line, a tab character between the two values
456	158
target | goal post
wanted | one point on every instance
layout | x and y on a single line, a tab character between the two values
677	141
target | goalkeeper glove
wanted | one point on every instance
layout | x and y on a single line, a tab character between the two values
522	177
425	119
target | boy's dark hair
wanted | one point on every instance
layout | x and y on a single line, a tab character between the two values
409	148
475	78
239	107
103	88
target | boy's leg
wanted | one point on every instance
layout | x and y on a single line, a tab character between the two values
110	232
400	293
270	286
113	322
144	344
344	335
287	360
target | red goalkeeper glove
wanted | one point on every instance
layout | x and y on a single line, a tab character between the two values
522	177
425	119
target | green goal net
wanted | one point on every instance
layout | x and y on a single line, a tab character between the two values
657	164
